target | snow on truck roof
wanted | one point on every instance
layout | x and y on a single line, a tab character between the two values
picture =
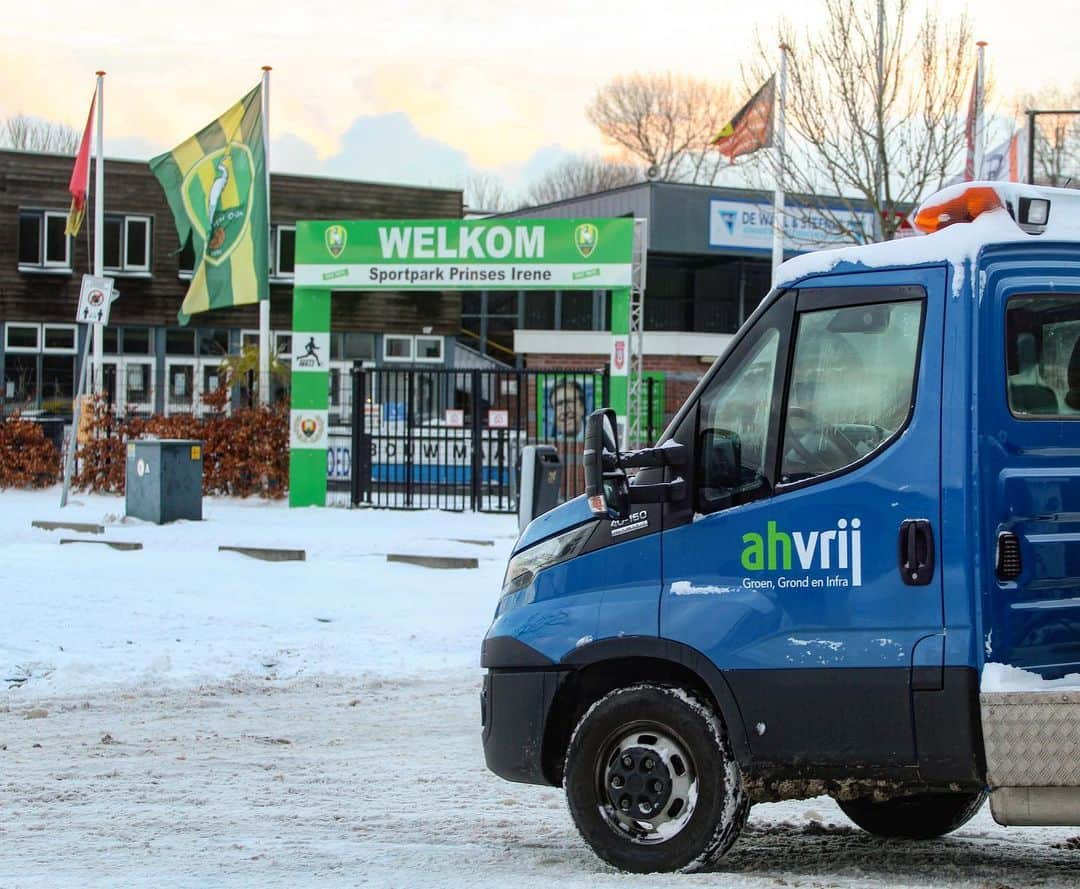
956	223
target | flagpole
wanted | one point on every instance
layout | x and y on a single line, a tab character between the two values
980	82
97	383
264	301
778	191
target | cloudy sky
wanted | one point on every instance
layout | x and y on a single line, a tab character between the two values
418	91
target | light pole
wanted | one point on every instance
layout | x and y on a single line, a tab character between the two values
1031	115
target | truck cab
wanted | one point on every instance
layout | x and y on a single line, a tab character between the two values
850	566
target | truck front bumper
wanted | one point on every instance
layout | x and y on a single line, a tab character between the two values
514	707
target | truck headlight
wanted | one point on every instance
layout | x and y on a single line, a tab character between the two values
525	565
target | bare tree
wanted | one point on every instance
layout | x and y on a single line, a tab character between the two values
25	133
1057	136
666	121
578	175
886	135
486	193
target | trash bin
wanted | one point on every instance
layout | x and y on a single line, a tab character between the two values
541	481
163	480
53	429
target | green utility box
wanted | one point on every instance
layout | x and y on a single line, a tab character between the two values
163	480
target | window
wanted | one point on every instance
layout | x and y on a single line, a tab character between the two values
397	348
137	341
429	348
577	310
211	378
127	243
57	382
22	337
59	339
20	379
285	252
42	241
361	346
1042	341
735	414
180	342
283	344
214	343
186	260
852	384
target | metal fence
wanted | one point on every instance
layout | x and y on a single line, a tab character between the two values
436	438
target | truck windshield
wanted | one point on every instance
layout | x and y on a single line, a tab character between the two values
1042	336
852	383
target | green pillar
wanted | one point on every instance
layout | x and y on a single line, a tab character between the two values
620	355
310	405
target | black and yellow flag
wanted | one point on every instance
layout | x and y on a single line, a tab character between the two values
215	183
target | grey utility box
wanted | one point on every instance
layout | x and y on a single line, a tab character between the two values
541	480
163	480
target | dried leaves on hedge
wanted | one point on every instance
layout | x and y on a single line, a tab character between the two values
244	453
27	458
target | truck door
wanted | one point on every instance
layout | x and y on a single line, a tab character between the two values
806	568
1029	446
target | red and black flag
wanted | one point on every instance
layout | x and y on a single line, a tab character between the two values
752	126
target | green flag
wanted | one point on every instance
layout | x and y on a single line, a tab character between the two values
215	183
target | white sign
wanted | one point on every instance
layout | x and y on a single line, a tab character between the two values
455	418
311	351
620	359
95	297
414	276
307	429
498	419
747	225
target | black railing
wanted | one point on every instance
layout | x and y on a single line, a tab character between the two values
437	438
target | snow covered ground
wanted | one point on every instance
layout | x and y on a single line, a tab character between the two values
183	717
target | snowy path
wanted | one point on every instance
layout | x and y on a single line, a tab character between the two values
179	717
381	782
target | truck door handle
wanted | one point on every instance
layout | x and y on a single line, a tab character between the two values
916	552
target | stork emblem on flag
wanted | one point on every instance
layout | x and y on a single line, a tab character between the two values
221	214
586	237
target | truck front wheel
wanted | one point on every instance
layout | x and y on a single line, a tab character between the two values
921	816
651	782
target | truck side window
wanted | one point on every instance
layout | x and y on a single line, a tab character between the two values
852	385
1042	342
734	416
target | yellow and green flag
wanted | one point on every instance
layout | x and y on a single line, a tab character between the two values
215	183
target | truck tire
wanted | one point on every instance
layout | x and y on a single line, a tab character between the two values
921	816
651	781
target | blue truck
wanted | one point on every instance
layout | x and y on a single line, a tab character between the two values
871	499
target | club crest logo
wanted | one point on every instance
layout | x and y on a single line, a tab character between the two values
335	240
308	429
217	194
586	237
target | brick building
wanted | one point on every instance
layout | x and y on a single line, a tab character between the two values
152	364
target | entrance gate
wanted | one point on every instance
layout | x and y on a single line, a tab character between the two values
427	255
449	439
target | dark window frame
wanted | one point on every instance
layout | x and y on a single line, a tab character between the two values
821	299
1023	417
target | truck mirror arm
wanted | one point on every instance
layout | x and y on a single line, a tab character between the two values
671	454
665	492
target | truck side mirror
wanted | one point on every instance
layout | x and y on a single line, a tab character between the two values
719	467
606	486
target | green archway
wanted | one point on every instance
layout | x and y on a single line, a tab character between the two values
422	254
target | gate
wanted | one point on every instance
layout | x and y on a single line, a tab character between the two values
437	438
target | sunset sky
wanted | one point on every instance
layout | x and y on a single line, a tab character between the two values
415	90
